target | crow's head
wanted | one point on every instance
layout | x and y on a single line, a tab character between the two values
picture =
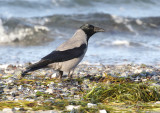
90	29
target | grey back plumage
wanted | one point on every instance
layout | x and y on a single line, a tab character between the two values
77	40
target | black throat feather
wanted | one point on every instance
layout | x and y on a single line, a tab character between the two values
88	33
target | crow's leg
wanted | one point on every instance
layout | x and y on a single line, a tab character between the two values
60	74
70	74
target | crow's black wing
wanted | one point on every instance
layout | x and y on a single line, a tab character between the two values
60	56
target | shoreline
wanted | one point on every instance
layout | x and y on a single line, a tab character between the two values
87	68
41	90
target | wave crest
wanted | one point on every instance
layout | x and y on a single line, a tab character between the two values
22	33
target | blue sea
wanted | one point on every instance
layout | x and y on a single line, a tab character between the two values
31	29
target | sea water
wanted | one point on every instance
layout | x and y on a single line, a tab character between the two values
31	29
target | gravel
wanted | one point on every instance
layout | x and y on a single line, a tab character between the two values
34	86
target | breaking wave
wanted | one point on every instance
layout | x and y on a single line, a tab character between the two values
31	31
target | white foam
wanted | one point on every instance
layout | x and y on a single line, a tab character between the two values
139	22
18	33
38	28
117	19
3	35
121	42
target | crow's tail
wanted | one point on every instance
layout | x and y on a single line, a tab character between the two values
36	66
25	72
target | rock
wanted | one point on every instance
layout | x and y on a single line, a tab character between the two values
9	71
137	79
60	84
7	110
93	72
54	75
10	98
1	90
76	97
102	111
30	100
51	85
142	75
158	102
85	86
49	100
137	71
156	78
148	73
38	83
155	84
144	80
71	107
49	111
153	73
124	75
10	81
82	73
20	87
49	90
73	90
14	94
41	111
90	105
17	109
6	90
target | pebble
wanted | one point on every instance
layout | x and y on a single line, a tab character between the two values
90	105
138	71
144	80
51	85
124	74
102	111
9	71
54	75
137	79
155	84
156	78
30	100
13	90
158	102
76	97
49	100
49	90
20	87
71	107
60	84
17	109
10	81
153	73
7	110
48	111
142	75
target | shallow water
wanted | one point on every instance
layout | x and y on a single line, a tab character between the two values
35	28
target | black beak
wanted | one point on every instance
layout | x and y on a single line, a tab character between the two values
97	29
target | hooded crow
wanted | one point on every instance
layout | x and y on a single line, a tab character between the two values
69	54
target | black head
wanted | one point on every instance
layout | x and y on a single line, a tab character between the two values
90	29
